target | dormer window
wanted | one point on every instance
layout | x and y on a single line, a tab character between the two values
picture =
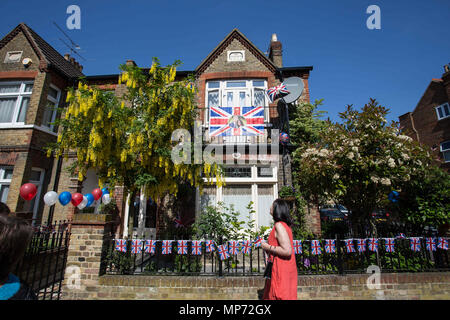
443	111
236	56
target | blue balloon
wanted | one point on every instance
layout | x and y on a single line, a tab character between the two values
65	197
393	196
105	191
90	198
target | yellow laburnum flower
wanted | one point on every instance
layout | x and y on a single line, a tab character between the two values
80	176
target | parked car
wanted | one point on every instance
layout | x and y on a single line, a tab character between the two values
331	214
380	215
336	207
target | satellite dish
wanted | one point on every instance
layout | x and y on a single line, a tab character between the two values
295	87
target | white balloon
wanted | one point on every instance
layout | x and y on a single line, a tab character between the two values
83	203
50	198
106	198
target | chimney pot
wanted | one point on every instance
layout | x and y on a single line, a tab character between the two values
447	67
67	56
131	63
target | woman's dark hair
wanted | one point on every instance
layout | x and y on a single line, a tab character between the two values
281	212
15	234
4	209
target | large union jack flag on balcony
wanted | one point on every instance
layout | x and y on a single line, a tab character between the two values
236	121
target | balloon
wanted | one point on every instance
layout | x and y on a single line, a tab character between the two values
50	198
393	196
76	199
105	191
106	198
65	197
28	191
90	198
83	203
284	138
97	193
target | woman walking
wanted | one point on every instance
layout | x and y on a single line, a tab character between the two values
282	284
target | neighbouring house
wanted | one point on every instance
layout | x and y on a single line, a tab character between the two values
231	82
429	122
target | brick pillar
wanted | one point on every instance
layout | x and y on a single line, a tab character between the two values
90	236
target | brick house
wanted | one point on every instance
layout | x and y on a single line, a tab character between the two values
429	122
234	74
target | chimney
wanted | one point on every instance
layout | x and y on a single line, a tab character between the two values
275	51
67	56
131	63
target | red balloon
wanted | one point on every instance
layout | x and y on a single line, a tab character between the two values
28	191
97	193
76	199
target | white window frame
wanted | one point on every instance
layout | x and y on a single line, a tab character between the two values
445	151
55	111
442	108
3	181
19	97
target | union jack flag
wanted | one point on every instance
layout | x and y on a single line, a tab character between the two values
150	246
401	236
297	246
443	244
415	244
273	92
234	247
373	244
349	245
330	246
236	121
361	244
136	246
246	246
431	244
223	252
182	247
210	246
315	247
167	246
196	247
121	245
389	244
257	242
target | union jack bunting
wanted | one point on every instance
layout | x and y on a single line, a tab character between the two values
210	246
330	246
315	247
389	244
273	92
167	246
236	121
257	242
361	245
182	247
297	246
415	244
373	244
121	245
223	252
401	236
150	246
234	247
349	245
431	244
196	247
136	246
443	244
246	246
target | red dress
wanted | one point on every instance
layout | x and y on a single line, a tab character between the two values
283	283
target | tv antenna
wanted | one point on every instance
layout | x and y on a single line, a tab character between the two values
73	46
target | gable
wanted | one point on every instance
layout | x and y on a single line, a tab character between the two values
18	43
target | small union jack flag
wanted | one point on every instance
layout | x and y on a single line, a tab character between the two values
121	245
297	246
196	247
210	246
361	244
315	247
401	236
234	247
431	244
389	244
443	244
373	244
415	243
182	247
330	246
223	252
167	246
273	92
257	242
150	246
349	245
136	246
246	246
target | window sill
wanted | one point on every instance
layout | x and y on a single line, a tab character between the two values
28	126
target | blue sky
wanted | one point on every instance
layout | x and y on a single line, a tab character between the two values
351	63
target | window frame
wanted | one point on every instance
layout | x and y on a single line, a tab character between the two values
56	101
3	181
444	151
19	95
442	108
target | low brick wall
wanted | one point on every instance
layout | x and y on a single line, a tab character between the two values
393	286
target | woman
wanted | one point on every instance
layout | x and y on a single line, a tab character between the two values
283	282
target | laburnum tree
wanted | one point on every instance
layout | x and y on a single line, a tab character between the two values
127	139
359	161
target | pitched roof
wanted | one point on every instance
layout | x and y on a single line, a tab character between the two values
48	56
